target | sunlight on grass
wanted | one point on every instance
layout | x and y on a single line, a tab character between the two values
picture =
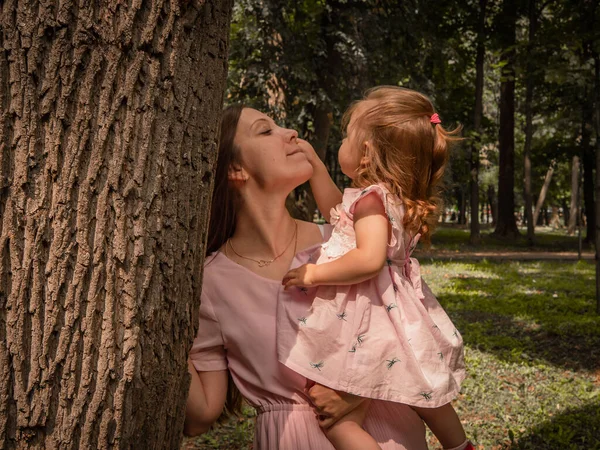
527	405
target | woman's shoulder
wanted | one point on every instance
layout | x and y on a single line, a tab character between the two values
216	271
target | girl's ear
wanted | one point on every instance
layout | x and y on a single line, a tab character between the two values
236	173
367	152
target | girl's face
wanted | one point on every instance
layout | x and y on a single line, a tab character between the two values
270	155
351	151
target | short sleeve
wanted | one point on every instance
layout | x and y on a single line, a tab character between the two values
208	350
392	209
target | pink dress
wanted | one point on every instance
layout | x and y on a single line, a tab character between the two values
386	338
238	332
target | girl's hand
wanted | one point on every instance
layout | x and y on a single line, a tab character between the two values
303	276
309	151
331	405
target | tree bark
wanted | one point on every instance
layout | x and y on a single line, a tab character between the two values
588	174
588	28
528	216
566	212
108	143
597	222
475	237
493	203
303	205
506	225
543	192
573	213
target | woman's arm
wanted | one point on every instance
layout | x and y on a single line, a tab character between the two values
372	229
205	401
327	194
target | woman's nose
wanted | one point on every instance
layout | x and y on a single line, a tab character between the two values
292	135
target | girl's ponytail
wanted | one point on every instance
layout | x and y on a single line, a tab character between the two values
410	150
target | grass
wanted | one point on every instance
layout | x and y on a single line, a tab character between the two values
456	237
532	348
532	351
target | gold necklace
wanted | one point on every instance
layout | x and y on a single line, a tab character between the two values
267	262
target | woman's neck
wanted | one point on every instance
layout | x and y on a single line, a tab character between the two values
264	227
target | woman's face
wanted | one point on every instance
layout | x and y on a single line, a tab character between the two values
270	154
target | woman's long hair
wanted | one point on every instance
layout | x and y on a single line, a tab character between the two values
225	197
223	217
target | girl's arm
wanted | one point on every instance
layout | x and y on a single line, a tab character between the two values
327	194
205	401
372	230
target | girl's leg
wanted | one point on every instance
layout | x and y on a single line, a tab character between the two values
445	424
348	433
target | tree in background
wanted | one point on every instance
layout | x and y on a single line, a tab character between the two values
506	225
306	61
107	139
529	89
474	157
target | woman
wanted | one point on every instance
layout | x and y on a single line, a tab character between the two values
252	243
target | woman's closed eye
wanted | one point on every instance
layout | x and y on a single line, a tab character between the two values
267	131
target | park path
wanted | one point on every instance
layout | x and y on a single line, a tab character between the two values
458	255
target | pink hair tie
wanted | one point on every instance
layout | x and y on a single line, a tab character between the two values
435	118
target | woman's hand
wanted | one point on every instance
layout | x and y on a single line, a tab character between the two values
303	276
331	405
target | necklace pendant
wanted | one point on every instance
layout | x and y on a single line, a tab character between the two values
263	263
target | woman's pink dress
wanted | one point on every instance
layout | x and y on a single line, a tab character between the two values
238	332
386	338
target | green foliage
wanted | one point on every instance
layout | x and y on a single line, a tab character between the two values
293	59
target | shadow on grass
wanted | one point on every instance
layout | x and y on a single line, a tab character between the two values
570	429
516	340
524	311
455	237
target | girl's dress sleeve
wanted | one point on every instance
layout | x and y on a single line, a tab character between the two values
208	352
393	207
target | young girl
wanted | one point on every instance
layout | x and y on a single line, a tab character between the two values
373	328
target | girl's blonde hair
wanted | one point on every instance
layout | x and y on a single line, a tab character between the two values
407	152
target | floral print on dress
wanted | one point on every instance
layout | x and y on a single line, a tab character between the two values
385	338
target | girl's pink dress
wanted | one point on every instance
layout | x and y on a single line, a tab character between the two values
386	338
237	331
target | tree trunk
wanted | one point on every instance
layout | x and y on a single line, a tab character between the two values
597	127
543	192
462	206
323	123
574	194
588	28
506	225
528	216
303	205
493	203
554	218
566	212
588	176
475	237
107	148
